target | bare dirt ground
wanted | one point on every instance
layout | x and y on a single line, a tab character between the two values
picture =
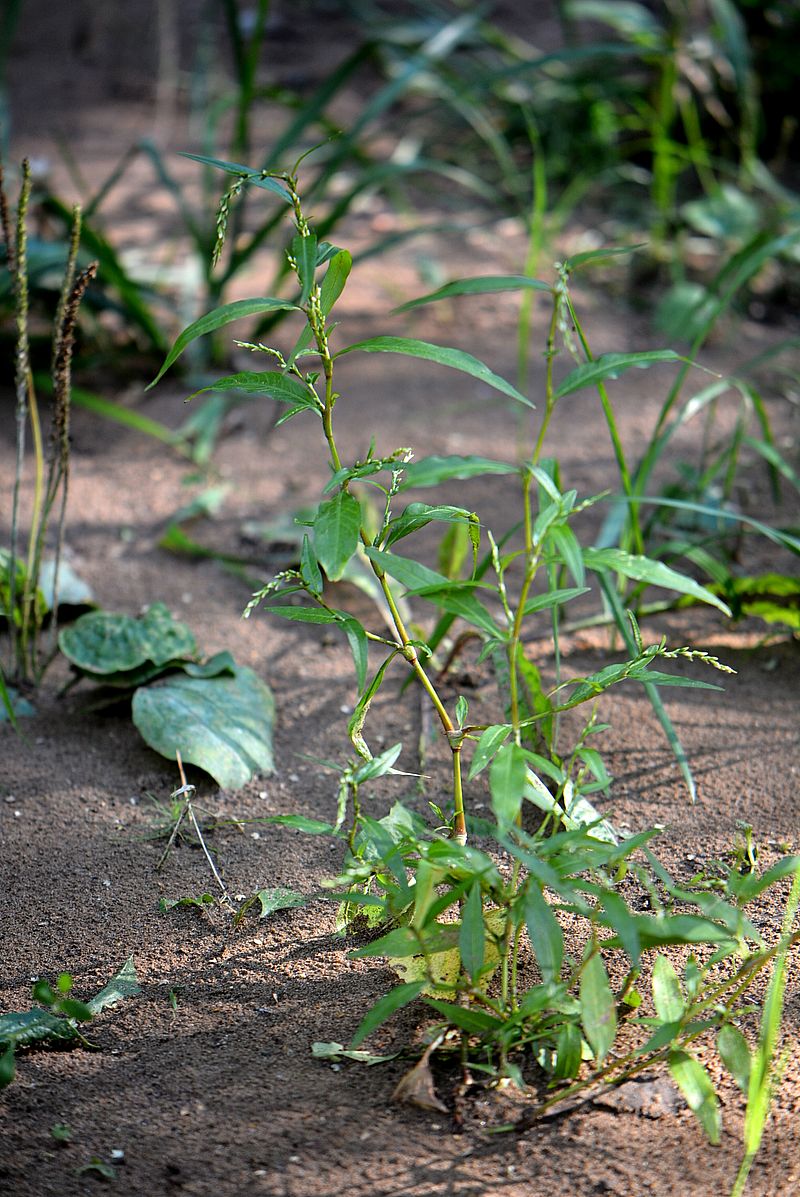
206	1081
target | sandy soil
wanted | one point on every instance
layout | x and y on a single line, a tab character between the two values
206	1081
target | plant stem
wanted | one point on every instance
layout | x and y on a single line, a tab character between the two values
23	387
316	320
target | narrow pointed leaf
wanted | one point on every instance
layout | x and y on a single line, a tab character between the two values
508	783
544	931
667	997
384	1008
332	286
357	639
696	1086
309	567
430	471
304	252
611	365
254	177
655	573
598	1008
271	383
336	529
217	318
471	937
734	1052
485	285
456	359
492	739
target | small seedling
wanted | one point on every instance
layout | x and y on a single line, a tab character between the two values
100	1167
55	1019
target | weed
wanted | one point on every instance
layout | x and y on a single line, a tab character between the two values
463	934
22	600
56	1019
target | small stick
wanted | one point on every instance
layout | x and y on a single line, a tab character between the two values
188	790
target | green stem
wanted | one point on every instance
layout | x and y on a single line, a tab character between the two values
316	320
619	452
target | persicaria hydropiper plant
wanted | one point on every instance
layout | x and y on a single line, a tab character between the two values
484	945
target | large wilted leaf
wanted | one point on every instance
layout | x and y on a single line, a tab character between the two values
222	724
103	643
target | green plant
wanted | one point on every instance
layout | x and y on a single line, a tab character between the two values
215	713
756	1070
485	946
22	598
456	921
56	1018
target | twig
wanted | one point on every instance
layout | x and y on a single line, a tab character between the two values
187	791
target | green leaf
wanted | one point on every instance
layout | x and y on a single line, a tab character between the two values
471	937
384	1008
107	1171
458	599
335	278
667	997
409	573
569	1056
303	614
485	285
101	642
357	639
304	252
655	573
696	1086
546	936
418	515
472	1020
309	567
430	471
220	663
337	525
554	598
198	903
734	1051
402	941
284	388
508	783
255	178
217	318
491	740
300	823
8	1069
566	543
221	724
664	929
32	1026
279	898
337	1051
598	1008
123	984
332	287
378	766
611	365
456	359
